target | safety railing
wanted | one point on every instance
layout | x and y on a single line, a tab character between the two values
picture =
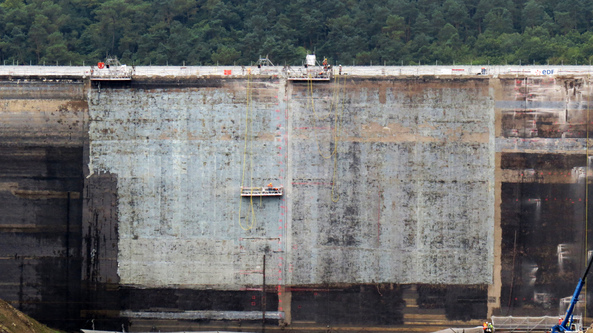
301	72
526	324
266	191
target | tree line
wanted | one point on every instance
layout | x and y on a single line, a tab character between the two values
361	32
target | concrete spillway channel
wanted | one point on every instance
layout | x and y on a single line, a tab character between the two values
413	198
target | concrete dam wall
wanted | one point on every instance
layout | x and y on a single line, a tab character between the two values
412	202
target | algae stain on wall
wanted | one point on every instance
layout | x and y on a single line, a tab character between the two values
415	181
177	155
414	175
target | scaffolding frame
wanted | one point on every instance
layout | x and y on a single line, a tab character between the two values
527	324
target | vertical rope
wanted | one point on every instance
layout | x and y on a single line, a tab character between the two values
248	150
337	107
337	130
587	195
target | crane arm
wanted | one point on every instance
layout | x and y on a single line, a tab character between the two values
564	326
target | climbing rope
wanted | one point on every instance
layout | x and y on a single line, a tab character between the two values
337	108
587	188
248	150
333	107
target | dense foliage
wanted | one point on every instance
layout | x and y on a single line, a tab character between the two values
202	32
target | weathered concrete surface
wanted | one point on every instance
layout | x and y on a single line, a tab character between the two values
543	142
42	137
407	195
178	156
411	147
408	200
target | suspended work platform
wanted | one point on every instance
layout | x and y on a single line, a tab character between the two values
266	191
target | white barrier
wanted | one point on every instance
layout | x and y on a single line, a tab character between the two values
234	71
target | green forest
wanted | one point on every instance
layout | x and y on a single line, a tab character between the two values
232	32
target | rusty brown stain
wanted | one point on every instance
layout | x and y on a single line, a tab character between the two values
382	94
418	85
193	137
456	135
71	105
394	132
475	137
525	176
32	228
373	128
27	105
167	135
399	138
266	137
8	186
44	194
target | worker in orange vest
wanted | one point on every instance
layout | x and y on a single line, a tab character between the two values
487	327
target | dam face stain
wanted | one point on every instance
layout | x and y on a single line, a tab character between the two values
344	225
542	211
44	206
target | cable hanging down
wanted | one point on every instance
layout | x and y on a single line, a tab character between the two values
337	107
248	150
